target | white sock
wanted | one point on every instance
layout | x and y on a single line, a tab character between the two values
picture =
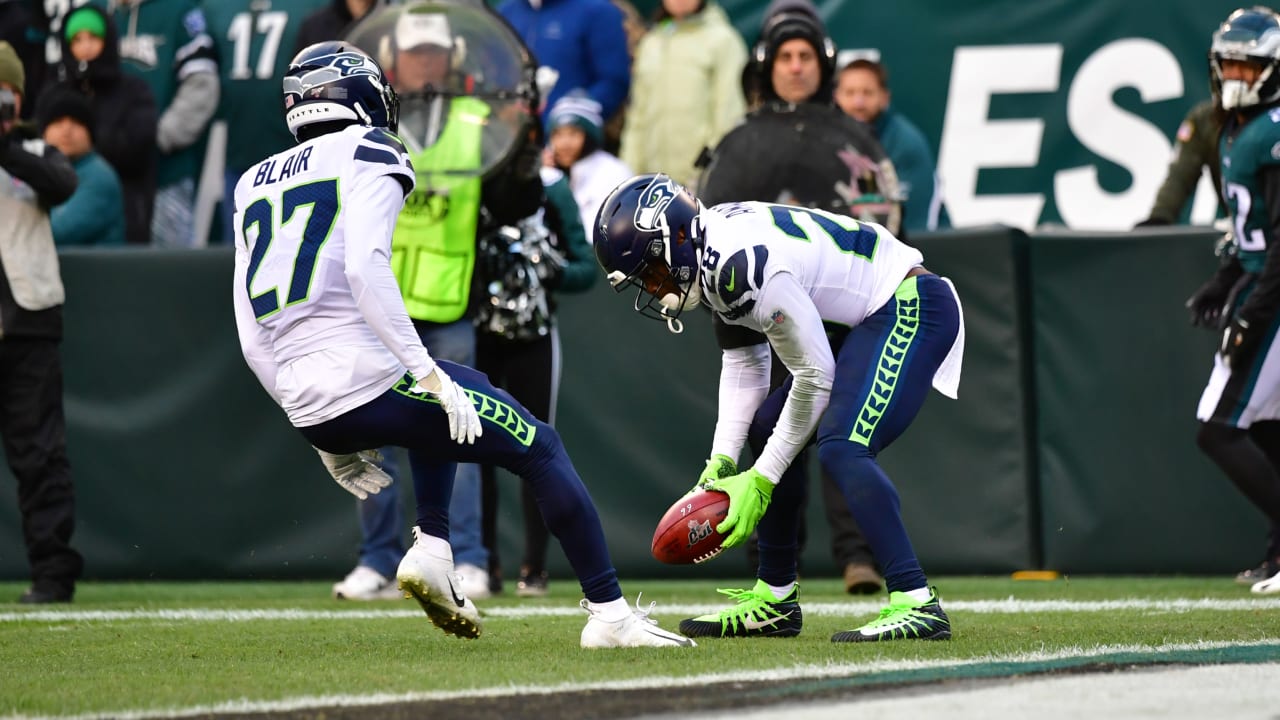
921	595
611	611
781	591
435	546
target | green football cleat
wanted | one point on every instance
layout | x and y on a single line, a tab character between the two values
903	619
757	614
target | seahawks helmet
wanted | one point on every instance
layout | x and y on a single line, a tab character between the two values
648	234
1249	35
335	80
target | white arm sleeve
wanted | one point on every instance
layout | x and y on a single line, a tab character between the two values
794	328
744	384
255	342
371	209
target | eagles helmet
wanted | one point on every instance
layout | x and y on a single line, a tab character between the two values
648	234
335	80
1249	35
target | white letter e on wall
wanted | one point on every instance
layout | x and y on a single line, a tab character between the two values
971	142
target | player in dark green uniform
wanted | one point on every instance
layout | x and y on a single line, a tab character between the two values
1241	299
255	39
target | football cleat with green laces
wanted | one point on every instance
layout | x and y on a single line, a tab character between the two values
756	613
904	619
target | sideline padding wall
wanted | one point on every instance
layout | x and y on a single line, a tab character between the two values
1119	372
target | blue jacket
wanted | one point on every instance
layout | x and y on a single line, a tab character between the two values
909	151
95	213
581	39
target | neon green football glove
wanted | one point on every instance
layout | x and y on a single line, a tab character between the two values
749	496
719	466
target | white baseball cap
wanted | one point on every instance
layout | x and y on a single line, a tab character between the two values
423	28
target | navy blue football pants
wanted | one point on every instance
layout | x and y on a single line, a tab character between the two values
884	370
513	439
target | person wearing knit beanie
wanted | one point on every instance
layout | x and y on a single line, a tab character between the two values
11	70
86	33
94	215
64	102
11	79
576	112
34	177
576	148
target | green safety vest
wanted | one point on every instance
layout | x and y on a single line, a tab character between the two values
433	247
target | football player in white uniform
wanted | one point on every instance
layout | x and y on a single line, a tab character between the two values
864	330
323	326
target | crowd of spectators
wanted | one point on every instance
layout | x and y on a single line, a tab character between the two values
159	75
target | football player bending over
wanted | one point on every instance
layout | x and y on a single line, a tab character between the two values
864	330
323	326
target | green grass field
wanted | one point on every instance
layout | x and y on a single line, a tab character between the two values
164	648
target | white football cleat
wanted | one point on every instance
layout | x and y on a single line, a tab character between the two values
635	629
1269	586
426	575
365	583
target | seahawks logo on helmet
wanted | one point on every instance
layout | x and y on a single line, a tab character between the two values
651	208
338	66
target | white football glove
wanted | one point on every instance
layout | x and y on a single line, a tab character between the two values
357	473
464	421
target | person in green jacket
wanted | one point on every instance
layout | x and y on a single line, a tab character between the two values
94	214
1196	149
685	89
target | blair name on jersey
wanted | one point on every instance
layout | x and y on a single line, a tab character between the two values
293	164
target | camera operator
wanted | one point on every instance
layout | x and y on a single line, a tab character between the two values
33	178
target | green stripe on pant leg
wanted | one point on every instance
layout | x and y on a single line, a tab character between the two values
488	408
889	366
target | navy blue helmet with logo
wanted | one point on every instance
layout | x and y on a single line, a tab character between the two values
335	80
648	234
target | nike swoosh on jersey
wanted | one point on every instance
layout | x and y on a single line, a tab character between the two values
729	287
751	624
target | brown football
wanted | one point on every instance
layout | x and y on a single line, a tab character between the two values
687	532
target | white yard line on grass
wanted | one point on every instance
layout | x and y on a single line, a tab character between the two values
800	672
1008	606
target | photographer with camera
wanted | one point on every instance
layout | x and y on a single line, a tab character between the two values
33	178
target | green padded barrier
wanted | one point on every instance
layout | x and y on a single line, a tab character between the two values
1118	376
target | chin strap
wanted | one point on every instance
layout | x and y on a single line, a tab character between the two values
669	303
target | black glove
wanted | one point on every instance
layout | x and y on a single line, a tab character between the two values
1206	305
1211	305
1238	340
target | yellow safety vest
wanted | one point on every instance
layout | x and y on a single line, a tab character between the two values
433	247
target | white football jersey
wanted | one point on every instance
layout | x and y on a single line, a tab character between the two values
316	303
848	268
785	272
